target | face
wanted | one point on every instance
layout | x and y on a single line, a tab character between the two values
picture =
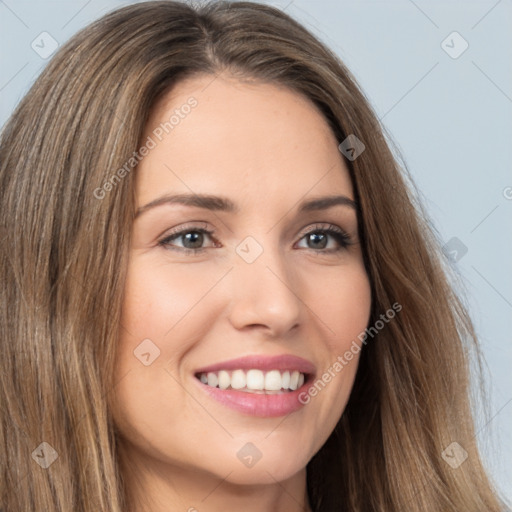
243	290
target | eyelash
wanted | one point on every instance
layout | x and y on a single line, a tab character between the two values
344	240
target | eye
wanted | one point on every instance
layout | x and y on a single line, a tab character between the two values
320	238
326	239
190	239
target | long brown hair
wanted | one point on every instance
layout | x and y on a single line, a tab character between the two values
63	259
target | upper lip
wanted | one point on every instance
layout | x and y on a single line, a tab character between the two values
281	362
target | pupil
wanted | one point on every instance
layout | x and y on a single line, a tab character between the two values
195	238
316	237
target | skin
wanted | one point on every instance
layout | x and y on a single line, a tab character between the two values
267	149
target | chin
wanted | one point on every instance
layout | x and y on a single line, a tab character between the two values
265	473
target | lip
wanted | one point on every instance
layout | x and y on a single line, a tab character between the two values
281	362
254	404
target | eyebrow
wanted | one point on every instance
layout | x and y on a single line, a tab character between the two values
218	203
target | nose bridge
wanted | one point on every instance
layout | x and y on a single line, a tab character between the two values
264	287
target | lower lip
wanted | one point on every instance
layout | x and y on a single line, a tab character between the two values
258	404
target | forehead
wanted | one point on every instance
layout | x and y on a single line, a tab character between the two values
251	140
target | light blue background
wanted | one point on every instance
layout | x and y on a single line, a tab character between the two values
451	118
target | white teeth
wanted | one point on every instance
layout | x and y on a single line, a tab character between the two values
273	380
256	381
213	380
286	380
224	380
294	380
238	380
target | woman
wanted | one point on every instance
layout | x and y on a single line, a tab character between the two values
218	292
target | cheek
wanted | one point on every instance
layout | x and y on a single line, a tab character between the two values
343	305
166	310
159	298
159	325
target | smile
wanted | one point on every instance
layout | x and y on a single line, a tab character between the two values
254	380
258	385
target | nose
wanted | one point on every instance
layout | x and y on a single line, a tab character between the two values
265	295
